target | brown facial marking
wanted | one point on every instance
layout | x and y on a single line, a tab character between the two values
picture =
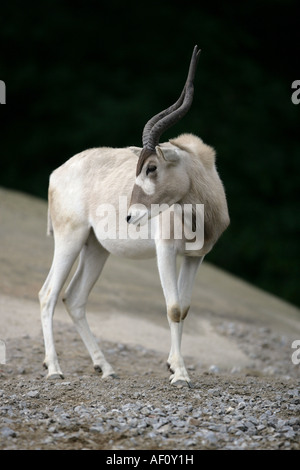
138	196
145	153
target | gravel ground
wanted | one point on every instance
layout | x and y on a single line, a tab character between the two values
257	408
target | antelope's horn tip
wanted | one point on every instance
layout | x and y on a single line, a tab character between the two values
197	50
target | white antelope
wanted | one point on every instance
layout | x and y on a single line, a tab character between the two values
176	173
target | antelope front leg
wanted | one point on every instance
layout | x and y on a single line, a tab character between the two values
166	260
186	280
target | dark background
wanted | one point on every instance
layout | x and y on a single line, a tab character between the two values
83	74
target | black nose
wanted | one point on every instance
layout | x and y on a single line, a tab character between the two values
128	218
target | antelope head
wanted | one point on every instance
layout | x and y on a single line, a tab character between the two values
159	179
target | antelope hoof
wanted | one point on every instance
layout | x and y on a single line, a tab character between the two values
109	373
55	376
181	384
111	376
180	378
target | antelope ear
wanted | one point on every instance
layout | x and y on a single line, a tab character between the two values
136	150
170	154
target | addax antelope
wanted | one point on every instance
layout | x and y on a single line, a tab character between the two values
165	176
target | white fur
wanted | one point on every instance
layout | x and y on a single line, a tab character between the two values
146	184
101	176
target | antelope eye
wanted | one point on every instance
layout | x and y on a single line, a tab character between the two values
151	169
